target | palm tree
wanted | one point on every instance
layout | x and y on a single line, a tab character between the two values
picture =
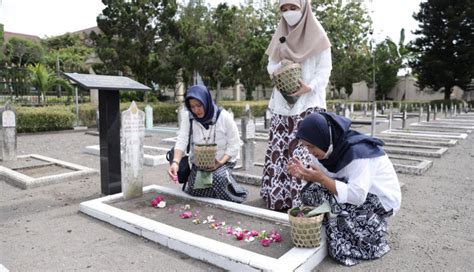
45	80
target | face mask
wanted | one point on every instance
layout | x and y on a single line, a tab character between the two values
292	17
328	153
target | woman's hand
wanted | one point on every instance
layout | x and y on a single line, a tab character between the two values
298	170
304	88
173	171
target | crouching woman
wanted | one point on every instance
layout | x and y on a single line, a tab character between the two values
351	172
209	125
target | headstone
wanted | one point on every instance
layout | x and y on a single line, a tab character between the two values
268	119
390	116
435	111
149	117
374	116
237	90
420	113
404	117
248	137
133	134
364	109
347	112
428	113
8	133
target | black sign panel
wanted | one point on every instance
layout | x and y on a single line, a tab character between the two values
103	82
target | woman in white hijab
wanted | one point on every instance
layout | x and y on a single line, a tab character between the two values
299	38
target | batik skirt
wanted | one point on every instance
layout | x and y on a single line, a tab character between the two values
355	233
223	187
279	189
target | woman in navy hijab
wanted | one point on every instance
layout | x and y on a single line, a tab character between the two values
210	125
351	172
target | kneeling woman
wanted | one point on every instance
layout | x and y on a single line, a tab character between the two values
209	125
353	174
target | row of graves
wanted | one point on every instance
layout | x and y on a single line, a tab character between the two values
232	236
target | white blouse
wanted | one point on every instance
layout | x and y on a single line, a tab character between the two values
315	72
226	135
372	175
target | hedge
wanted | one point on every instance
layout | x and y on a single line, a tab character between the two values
44	119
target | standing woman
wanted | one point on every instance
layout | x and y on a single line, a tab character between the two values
351	172
299	38
210	125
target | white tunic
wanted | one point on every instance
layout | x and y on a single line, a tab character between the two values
373	175
226	137
315	72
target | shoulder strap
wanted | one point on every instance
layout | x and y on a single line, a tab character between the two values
190	134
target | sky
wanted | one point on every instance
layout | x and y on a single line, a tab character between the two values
46	18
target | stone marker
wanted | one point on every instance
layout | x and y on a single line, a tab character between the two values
8	133
133	134
248	137
149	117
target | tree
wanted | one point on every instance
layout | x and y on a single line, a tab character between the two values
2	56
70	50
387	62
444	50
22	52
45	80
135	37
347	26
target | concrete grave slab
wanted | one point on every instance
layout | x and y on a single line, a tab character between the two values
421	133
442	127
414	150
34	170
416	140
218	253
153	155
410	166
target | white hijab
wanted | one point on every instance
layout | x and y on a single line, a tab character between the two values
305	39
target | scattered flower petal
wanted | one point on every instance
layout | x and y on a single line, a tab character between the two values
239	235
161	205
197	221
187	214
265	242
187	207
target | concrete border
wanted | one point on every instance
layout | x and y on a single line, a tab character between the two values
419	169
150	160
24	182
420	133
404	149
443	127
220	254
414	140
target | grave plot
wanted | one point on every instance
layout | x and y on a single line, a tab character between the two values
410	166
414	150
33	170
153	155
439	127
214	242
421	133
460	122
417	140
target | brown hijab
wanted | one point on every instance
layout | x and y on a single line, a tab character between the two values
305	39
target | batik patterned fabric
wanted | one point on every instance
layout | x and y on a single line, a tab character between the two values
356	232
279	189
223	187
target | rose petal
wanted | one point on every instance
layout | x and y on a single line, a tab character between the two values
265	242
186	214
162	204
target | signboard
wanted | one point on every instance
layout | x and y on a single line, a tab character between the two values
103	82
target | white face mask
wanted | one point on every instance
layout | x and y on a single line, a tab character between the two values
329	152
292	17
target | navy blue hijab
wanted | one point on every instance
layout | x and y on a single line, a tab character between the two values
200	93
348	144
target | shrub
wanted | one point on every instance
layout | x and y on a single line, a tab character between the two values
44	119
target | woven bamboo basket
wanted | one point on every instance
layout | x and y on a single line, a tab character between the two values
286	79
205	155
305	231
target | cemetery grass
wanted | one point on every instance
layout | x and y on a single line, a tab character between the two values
41	229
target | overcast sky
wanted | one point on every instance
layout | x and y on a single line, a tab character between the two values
55	17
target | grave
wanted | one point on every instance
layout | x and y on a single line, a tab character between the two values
414	150
109	123
421	134
204	243
417	140
153	155
442	127
33	170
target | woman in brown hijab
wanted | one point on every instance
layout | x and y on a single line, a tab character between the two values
299	38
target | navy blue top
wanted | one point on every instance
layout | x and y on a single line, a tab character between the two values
348	144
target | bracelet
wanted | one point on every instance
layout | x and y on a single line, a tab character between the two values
174	161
